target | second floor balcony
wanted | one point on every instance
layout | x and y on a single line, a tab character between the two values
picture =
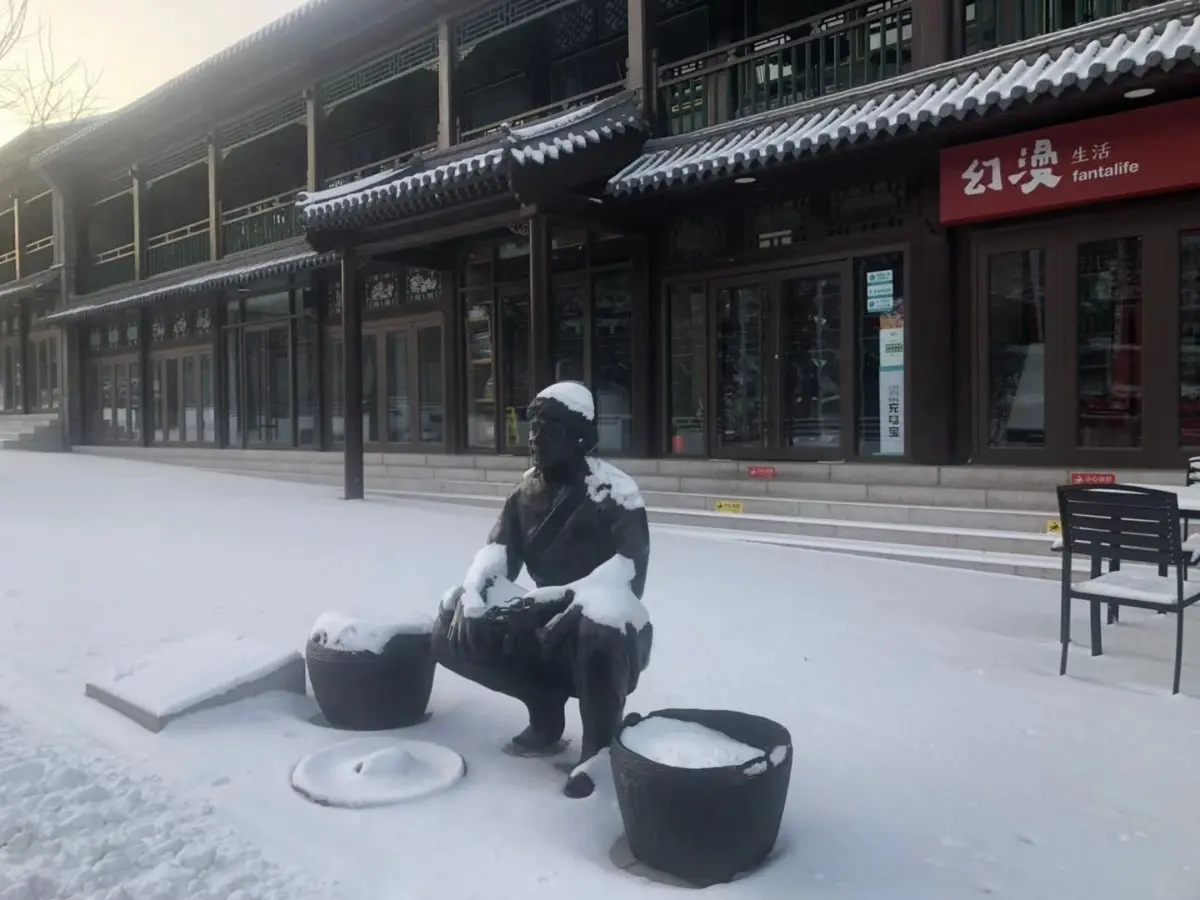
841	48
987	24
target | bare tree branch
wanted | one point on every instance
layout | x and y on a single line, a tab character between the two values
34	87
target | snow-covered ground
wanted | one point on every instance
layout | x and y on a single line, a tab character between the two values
937	753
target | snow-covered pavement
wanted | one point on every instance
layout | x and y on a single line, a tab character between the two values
77	824
937	753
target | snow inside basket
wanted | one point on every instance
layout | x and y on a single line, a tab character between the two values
371	676
701	792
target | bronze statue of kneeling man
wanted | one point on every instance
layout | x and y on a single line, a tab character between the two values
578	526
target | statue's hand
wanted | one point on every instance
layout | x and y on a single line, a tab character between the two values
562	625
551	594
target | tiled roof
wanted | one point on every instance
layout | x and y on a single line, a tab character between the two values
283	30
480	168
1136	43
262	262
23	287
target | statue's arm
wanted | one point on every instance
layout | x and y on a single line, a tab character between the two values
631	534
502	556
507	534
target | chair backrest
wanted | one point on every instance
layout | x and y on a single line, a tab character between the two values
1120	522
1193	470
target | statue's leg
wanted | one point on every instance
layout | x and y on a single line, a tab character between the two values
602	681
542	687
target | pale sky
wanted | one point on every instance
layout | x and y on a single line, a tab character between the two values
138	44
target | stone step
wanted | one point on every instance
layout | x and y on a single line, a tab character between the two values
839	481
998	550
757	496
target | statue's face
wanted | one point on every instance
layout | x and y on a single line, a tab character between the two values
551	443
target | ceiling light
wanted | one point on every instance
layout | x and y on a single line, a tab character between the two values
745	179
1138	93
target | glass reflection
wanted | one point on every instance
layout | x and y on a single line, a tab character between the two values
688	372
612	361
1016	349
1109	290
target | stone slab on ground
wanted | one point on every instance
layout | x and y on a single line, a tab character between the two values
210	670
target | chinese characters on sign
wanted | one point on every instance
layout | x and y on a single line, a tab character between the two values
891	385
1141	152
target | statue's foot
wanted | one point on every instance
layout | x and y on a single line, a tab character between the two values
579	786
537	742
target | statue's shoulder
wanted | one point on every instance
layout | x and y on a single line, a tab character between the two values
606	482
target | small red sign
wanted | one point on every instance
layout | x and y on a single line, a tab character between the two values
1146	151
1093	478
761	471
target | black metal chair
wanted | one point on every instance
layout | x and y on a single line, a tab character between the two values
1123	524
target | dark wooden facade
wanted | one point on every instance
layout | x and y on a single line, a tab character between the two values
728	320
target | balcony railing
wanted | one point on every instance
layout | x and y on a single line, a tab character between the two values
260	223
846	47
383	165
988	24
8	266
544	112
39	255
176	249
112	267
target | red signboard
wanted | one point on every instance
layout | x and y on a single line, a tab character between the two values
1145	151
761	471
1093	478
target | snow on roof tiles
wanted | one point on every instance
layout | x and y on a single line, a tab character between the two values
471	166
1136	43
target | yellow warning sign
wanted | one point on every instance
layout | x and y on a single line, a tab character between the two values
1054	527
730	506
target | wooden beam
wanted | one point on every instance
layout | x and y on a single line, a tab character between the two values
931	32
453	223
141	234
315	120
540	251
419	257
352	376
583	212
215	250
447	107
640	71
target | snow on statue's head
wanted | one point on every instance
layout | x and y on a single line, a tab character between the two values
562	425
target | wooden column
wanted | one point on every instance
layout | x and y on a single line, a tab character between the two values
447	107
640	72
17	209
644	351
146	384
140	231
540	250
929	407
315	118
352	338
215	248
931	32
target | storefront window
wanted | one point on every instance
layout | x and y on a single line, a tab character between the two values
1109	288
481	375
308	404
687	353
1189	340
430	386
742	366
811	360
515	359
612	360
880	304
1016	349
568	327
10	360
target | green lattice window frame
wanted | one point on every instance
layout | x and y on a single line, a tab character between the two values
261	122
420	53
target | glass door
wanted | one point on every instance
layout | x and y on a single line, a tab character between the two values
814	360
267	411
403	385
183	394
743	364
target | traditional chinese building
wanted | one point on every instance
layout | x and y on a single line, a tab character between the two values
899	230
